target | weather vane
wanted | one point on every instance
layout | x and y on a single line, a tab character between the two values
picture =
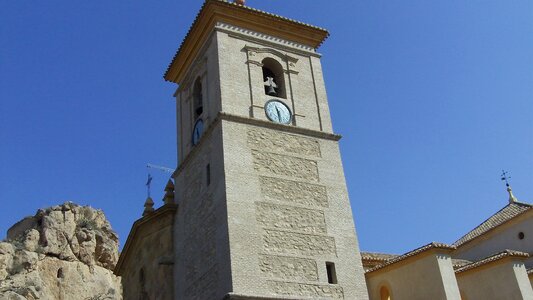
505	177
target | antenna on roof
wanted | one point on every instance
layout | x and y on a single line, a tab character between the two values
161	168
505	177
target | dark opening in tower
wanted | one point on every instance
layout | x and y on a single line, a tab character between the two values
273	78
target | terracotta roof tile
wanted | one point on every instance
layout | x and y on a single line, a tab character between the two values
243	7
399	258
503	254
457	263
507	213
374	256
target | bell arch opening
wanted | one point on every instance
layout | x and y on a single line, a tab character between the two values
198	98
273	78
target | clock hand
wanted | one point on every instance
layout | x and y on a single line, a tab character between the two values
279	115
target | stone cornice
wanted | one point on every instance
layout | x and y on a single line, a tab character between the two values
255	122
215	11
234	296
280	127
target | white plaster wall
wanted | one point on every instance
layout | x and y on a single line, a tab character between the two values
427	276
502	280
505	237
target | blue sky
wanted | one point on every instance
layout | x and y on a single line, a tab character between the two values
433	99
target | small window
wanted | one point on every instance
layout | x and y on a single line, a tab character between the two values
332	277
208	174
141	277
384	293
60	273
198	99
521	235
273	78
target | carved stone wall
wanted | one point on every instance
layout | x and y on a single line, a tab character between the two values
284	165
320	291
291	214
288	268
290	218
284	242
293	192
275	142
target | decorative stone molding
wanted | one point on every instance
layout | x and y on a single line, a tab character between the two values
261	38
293	192
272	141
288	268
291	218
320	291
283	165
291	243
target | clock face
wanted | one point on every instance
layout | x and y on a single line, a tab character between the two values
197	131
278	112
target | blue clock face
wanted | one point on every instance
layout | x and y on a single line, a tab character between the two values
197	131
278	112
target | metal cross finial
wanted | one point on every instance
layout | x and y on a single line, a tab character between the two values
505	177
148	183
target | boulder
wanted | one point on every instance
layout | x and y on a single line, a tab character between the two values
66	251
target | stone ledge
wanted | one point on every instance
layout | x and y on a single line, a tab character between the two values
233	296
255	122
280	127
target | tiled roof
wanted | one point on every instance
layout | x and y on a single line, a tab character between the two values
503	254
399	258
373	256
507	213
247	9
457	263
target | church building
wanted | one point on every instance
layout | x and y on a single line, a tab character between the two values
258	207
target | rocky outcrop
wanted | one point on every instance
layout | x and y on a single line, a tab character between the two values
63	252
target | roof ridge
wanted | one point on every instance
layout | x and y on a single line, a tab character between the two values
478	230
432	245
249	10
494	257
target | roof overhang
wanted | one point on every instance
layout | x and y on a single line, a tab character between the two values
214	11
414	254
493	259
167	210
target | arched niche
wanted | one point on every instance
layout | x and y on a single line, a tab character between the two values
273	78
198	99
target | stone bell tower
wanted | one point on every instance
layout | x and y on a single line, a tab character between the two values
262	206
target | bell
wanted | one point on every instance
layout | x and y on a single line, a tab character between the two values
271	91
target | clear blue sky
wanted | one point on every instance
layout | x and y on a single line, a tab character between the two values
433	99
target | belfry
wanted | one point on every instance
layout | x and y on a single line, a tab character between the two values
260	207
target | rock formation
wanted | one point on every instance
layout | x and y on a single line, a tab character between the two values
63	252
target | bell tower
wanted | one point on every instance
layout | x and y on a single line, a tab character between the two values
263	209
